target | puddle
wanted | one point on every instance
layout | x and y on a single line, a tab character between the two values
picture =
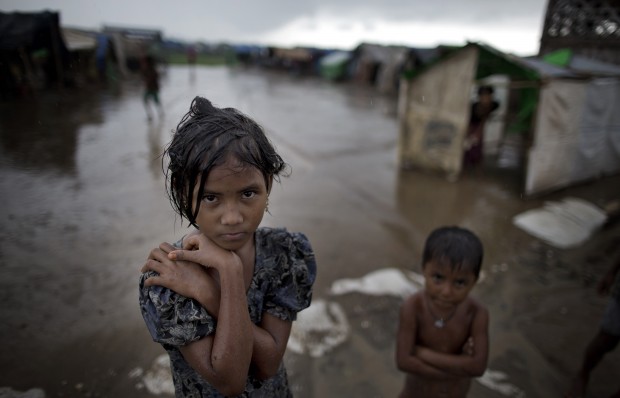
7	392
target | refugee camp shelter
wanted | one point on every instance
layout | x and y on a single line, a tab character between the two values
334	65
90	53
297	60
378	65
566	120
249	54
131	44
32	52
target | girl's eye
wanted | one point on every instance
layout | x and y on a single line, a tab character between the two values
209	198
249	194
437	277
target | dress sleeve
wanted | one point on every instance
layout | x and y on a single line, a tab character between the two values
172	319
294	275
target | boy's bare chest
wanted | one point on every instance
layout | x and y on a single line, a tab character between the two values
450	337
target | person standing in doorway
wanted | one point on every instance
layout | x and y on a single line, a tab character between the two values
480	112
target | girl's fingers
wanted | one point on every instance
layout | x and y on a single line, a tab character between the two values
181	255
193	241
166	247
157	254
162	251
153	265
152	281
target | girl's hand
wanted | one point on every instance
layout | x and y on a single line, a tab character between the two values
186	278
192	233
197	248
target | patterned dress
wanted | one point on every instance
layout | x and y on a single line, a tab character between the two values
284	272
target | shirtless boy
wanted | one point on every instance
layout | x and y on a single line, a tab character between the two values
442	340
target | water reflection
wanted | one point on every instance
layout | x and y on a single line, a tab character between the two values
155	145
42	134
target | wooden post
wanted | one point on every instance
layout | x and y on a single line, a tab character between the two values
57	59
29	72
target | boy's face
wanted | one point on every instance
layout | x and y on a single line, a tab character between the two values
445	286
233	204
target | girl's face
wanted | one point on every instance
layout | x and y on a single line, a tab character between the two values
445	286
232	205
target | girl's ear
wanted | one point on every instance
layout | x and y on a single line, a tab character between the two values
269	185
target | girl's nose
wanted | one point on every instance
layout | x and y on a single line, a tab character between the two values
231	215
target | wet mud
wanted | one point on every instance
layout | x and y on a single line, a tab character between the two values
83	202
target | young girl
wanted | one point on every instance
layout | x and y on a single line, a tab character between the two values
442	338
221	301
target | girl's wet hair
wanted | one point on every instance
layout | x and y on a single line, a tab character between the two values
458	247
205	138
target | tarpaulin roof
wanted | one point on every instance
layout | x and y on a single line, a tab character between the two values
427	55
580	64
29	30
544	68
135	33
77	39
490	62
379	52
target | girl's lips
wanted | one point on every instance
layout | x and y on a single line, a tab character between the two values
233	236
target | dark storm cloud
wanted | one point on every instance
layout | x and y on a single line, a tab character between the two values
258	17
251	21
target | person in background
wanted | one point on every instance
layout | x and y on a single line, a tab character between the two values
607	337
150	76
192	55
442	341
474	139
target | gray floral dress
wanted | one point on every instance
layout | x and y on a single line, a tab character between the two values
284	272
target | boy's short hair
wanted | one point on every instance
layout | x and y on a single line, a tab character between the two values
459	247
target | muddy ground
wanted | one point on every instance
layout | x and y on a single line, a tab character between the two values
83	202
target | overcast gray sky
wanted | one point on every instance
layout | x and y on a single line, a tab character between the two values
510	26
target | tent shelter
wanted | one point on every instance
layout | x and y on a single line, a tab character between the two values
296	60
90	54
32	51
566	118
131	44
379	65
333	66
